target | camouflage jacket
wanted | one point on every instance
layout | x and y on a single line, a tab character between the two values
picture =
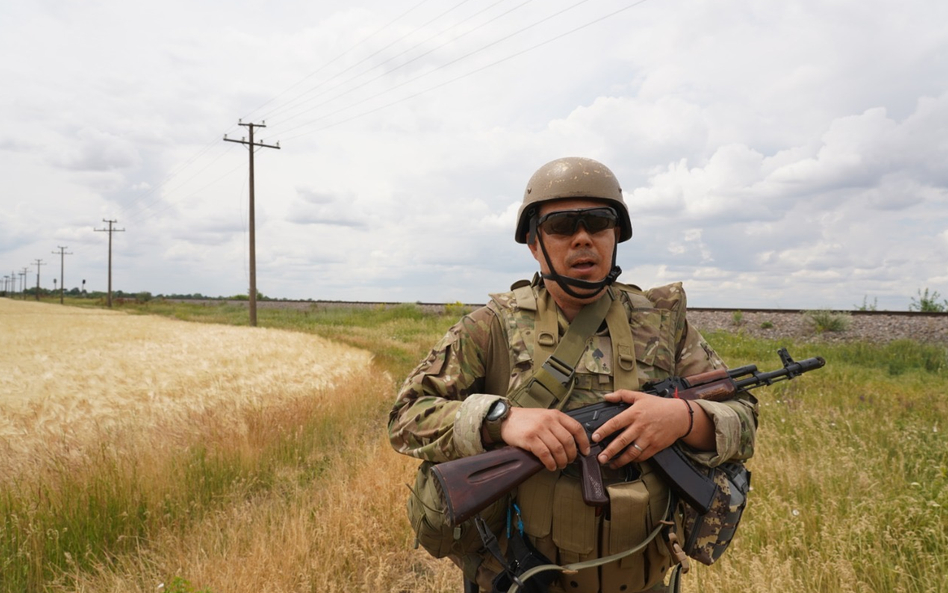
442	404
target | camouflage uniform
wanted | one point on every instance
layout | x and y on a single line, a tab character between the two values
490	353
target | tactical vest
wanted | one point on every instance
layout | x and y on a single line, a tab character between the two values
636	346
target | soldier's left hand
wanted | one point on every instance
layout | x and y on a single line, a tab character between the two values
653	423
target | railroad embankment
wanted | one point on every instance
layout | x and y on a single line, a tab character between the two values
875	327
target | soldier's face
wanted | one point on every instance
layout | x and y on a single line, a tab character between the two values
584	255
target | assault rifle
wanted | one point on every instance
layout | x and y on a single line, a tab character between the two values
471	484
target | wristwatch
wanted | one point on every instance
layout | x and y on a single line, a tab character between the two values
496	415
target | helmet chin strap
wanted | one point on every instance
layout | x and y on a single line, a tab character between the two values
566	282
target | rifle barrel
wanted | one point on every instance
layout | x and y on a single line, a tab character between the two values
790	371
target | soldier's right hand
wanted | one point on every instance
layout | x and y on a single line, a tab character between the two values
552	436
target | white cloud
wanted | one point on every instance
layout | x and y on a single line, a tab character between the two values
771	154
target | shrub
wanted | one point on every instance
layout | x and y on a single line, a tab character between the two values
737	317
767	325
866	306
456	309
928	304
824	320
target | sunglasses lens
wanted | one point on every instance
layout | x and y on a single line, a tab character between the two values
561	225
595	220
597	224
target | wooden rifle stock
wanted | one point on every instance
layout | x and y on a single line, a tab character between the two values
471	484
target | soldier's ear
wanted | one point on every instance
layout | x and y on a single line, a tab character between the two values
534	248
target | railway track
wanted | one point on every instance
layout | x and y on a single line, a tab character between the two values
434	306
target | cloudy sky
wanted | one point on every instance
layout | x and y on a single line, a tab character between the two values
773	154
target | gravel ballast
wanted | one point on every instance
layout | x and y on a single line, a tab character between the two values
876	327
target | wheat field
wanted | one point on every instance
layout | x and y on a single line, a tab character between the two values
71	375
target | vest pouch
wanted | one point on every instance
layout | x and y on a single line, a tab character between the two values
707	536
575	533
636	508
429	521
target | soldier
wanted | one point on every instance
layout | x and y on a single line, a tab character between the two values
477	390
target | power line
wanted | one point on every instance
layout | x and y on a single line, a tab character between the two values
290	104
457	78
409	62
295	102
333	60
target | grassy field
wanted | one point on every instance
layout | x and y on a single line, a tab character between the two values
142	453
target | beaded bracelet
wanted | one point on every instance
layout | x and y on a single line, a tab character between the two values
691	418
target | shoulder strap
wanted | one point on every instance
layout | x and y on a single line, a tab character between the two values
552	381
623	347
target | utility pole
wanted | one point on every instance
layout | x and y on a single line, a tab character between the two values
253	248
38	263
62	257
110	230
23	282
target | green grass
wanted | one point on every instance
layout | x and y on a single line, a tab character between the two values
851	474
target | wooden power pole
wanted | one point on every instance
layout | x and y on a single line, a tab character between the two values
62	257
253	247
38	263
110	230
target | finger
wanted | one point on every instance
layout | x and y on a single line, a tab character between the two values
577	435
623	395
551	452
543	453
617	422
633	452
618	445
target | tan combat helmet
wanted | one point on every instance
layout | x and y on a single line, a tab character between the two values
572	177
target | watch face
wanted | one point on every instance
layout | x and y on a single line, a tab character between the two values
497	411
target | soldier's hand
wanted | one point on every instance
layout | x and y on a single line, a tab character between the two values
551	435
653	423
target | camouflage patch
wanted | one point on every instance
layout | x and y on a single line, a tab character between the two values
468	421
708	535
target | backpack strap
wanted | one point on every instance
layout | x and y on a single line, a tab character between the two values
623	344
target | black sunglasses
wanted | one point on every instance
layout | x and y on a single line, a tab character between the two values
566	222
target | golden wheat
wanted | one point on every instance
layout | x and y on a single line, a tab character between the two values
72	375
